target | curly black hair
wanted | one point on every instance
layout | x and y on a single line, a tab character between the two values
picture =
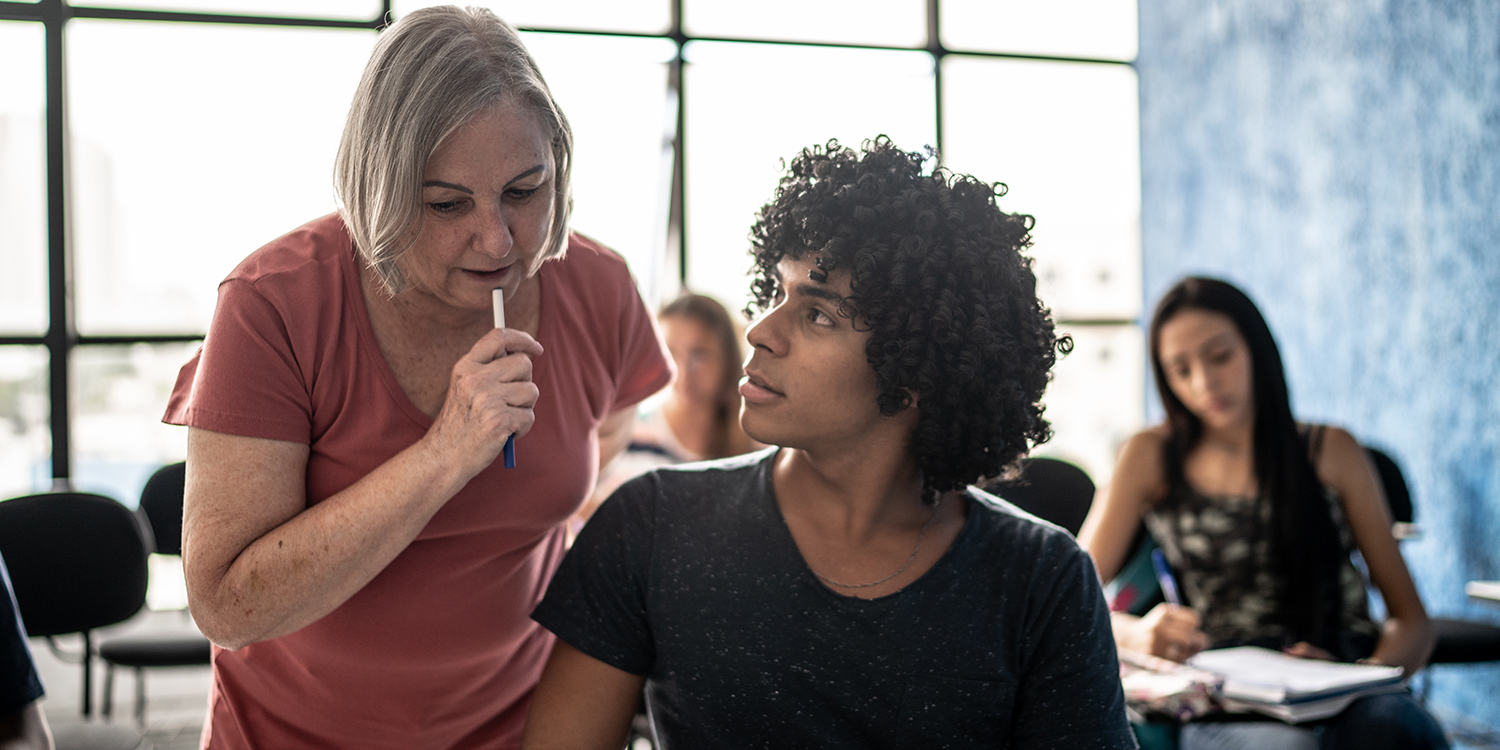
938	277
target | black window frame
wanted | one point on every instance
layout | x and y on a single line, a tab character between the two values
62	336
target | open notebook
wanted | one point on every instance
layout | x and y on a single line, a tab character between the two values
1293	689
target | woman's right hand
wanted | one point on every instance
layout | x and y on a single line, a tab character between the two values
1169	631
490	397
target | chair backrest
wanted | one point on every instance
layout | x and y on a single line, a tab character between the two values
1049	488
161	502
77	561
1397	495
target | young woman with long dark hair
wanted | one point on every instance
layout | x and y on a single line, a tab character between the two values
1258	515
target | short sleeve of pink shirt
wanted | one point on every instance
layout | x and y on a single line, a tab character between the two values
438	651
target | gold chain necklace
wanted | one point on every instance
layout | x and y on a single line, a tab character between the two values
899	570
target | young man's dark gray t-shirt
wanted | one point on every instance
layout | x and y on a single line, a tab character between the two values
689	576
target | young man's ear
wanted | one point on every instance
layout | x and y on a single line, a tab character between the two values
915	397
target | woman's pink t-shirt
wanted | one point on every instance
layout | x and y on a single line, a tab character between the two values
438	651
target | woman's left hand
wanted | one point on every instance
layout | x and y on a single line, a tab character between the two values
1305	650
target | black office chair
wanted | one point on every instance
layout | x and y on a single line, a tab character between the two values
161	510
1048	488
1458	641
161	504
77	562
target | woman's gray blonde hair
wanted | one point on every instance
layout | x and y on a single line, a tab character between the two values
431	72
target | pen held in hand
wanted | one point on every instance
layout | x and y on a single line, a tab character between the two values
1164	577
497	302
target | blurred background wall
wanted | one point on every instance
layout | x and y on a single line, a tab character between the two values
1340	160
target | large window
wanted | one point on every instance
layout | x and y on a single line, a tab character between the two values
193	131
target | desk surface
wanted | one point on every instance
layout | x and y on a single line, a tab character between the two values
1487	590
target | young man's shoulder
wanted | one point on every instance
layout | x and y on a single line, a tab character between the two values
1004	514
699	489
1006	531
677	479
719	469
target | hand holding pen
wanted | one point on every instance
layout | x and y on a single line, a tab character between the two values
1165	578
1171	629
489	403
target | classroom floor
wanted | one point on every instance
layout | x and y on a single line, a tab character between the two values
177	698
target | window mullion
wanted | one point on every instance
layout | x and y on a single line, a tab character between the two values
62	334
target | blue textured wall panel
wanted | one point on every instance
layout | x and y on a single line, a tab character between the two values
1340	160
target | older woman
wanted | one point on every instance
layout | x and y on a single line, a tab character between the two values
364	564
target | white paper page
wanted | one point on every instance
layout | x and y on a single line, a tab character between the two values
1264	674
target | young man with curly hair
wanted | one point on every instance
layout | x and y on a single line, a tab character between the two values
847	588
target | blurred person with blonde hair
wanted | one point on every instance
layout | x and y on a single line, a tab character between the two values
699	418
703	411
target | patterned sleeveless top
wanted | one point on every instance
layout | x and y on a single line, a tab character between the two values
1219	548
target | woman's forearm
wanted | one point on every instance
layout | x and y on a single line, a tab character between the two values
1405	642
298	571
261	564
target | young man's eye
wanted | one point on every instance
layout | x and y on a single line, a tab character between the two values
818	317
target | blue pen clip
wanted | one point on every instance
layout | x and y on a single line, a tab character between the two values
1164	577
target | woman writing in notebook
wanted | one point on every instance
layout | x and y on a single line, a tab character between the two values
1258	515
